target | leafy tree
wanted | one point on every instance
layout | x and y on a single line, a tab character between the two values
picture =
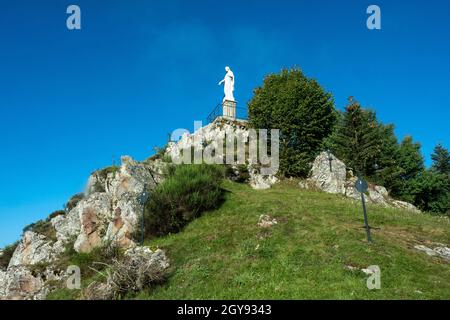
302	110
441	160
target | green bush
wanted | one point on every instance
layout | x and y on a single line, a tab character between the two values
8	252
238	174
188	191
56	214
43	227
72	203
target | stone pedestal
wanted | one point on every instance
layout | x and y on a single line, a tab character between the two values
229	109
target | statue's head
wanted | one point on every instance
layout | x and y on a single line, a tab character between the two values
227	68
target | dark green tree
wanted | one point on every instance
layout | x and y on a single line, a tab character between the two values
441	160
410	164
386	171
430	191
302	110
410	158
357	139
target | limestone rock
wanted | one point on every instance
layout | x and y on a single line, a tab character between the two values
382	191
207	138
33	249
405	206
110	209
266	221
94	214
329	181
439	251
67	226
341	181
377	197
350	190
18	283
260	182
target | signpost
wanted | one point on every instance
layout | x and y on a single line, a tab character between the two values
330	159
143	200
362	186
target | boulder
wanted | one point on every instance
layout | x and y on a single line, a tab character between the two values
328	178
350	190
375	196
405	206
260	182
266	221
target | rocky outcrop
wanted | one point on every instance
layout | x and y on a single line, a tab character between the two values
329	174
23	283
108	212
207	137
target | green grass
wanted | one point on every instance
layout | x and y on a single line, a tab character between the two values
225	255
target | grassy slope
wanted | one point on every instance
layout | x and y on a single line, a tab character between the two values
303	257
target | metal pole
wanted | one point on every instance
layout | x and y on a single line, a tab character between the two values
366	222
142	225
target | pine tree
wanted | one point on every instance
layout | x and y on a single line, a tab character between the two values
411	164
387	170
441	160
358	140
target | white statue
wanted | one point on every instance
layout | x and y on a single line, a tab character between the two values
229	85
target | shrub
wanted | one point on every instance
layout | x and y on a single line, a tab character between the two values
56	214
72	203
7	253
43	227
237	173
183	196
132	274
89	262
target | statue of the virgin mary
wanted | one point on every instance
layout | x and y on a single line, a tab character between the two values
229	85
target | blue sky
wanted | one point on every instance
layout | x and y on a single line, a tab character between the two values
72	100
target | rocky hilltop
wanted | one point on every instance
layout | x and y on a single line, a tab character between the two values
109	211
